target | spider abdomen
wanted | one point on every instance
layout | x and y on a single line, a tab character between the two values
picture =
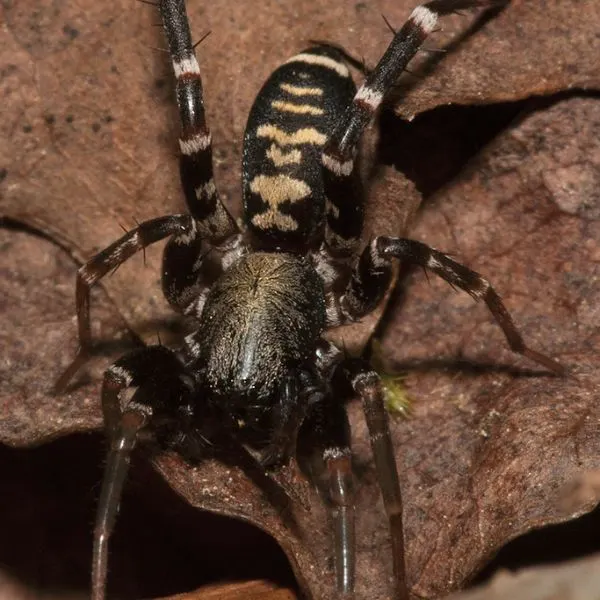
261	320
291	119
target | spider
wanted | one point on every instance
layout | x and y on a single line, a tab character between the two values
258	370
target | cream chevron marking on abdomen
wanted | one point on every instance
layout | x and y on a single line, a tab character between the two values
306	135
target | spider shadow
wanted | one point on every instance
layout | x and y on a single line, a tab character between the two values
469	367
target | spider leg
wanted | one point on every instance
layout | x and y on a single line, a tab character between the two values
183	276
344	197
159	383
115	473
107	260
367	385
372	274
196	166
187	274
325	442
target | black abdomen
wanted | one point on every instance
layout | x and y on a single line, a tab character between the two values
292	117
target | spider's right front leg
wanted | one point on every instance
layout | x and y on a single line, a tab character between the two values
160	388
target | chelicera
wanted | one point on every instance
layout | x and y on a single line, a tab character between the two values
258	364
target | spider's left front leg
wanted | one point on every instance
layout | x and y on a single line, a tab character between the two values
372	276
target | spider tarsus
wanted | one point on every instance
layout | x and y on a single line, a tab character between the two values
547	362
117	466
369	389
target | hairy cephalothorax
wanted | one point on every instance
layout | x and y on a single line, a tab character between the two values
257	364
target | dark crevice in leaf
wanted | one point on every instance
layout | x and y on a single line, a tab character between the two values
548	545
161	546
436	145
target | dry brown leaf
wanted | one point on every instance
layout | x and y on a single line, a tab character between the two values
584	489
488	452
250	590
90	137
528	49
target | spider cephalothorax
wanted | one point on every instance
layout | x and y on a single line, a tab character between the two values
257	363
262	319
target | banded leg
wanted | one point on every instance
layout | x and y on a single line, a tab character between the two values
159	378
196	167
325	442
367	385
107	260
372	274
344	199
